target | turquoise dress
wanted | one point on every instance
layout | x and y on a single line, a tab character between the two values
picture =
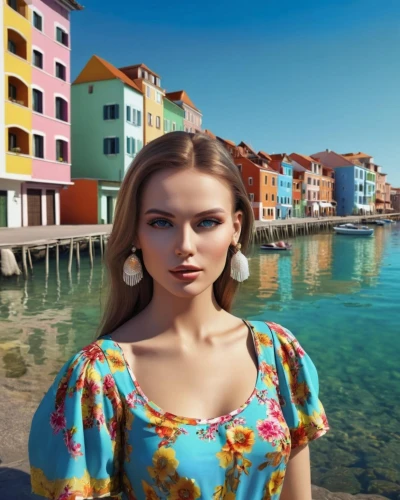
96	434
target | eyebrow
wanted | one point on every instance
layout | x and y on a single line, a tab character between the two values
168	214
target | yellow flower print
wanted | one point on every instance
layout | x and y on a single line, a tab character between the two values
149	492
225	458
240	439
116	360
276	481
184	489
263	339
300	393
164	462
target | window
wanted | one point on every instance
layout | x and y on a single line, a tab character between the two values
272	197
37	59
61	36
37	21
111	146
131	146
265	180
266	197
281	183
318	182
314	182
250	181
158	82
158	97
355	187
148	91
277	199
61	109
13	4
61	150
12	141
356	174
12	92
239	166
173	126
38	146
111	112
61	71
273	181
90	89
37	98
251	195
12	47
158	122
128	113
136	117
314	195
288	184
308	180
149	119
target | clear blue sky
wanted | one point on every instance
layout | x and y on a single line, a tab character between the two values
282	75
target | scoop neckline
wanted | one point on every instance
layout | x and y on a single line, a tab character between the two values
161	413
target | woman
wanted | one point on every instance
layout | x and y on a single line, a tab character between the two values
225	406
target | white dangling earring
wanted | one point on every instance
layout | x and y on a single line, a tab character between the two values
133	271
239	265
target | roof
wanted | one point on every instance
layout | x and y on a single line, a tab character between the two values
227	141
263	167
181	95
304	160
323	156
265	155
141	65
72	4
245	145
210	134
98	69
356	155
279	157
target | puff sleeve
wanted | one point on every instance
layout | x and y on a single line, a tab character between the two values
75	437
298	388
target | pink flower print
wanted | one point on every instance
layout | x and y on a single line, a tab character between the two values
112	428
66	494
132	400
274	409
57	421
93	387
270	430
262	397
108	381
73	448
98	415
209	433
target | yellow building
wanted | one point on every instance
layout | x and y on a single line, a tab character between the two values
153	95
17	83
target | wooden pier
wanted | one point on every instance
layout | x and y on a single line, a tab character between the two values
41	241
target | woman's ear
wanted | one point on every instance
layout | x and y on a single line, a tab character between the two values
237	226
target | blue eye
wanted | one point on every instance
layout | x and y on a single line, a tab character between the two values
160	223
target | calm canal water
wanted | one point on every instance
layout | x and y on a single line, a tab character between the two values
339	295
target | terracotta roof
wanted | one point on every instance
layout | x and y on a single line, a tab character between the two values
231	143
265	155
181	95
245	145
279	157
322	154
114	73
209	133
263	167
356	155
141	65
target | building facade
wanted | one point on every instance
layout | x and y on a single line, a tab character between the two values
149	84
193	116
282	164
174	117
395	199
107	133
35	164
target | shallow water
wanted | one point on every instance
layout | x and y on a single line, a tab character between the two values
339	295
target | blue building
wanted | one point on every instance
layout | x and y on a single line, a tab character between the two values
354	184
281	163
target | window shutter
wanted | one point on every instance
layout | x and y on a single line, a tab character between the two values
139	145
116	145
139	118
128	113
105	146
116	111
128	145
134	146
104	112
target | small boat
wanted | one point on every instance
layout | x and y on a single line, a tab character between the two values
387	221
380	222
353	230
277	246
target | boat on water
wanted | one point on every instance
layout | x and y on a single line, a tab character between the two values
387	221
380	222
279	246
353	230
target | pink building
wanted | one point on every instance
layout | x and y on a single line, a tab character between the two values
51	91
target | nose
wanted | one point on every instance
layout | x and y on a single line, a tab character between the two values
184	244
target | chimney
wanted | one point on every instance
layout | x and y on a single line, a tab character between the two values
328	150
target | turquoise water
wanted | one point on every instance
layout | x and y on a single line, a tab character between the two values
340	297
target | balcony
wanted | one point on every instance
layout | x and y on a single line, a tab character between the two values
16	44
19	6
18	91
18	141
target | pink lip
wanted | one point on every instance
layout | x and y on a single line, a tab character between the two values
185	275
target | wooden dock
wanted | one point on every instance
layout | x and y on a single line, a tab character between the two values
43	240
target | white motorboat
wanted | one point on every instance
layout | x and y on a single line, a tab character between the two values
353	230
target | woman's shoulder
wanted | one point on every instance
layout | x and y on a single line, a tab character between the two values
274	335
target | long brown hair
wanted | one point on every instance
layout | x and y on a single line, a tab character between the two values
176	150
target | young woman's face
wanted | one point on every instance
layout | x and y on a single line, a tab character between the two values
183	237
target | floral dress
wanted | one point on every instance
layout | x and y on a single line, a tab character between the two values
96	434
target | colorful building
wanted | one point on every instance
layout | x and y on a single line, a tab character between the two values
193	116
352	181
107	133
308	171
395	199
35	162
174	116
282	164
149	83
367	162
